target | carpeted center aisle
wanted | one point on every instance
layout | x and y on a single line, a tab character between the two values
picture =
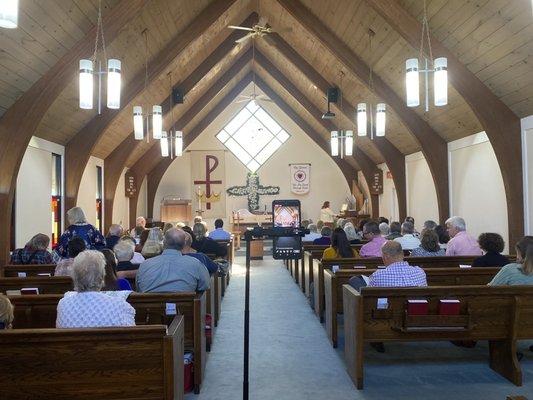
291	357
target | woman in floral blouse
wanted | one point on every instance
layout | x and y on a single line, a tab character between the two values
79	227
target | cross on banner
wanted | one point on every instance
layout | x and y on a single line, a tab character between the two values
253	190
209	167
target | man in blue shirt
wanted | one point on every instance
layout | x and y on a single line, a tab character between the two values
171	271
219	233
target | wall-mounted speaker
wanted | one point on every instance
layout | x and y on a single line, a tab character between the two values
177	96
333	95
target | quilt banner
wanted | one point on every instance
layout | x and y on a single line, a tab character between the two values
208	172
300	178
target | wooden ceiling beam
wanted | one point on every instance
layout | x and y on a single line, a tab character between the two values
394	158
20	121
152	161
81	146
366	164
116	161
433	146
499	122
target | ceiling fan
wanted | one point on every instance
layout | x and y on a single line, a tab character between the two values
256	31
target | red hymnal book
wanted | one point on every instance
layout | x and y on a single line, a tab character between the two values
449	307
417	307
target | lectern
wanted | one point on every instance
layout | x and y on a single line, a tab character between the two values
174	208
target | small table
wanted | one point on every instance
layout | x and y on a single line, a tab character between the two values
256	249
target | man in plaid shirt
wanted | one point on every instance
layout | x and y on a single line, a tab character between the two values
398	273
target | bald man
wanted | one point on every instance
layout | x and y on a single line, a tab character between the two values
398	273
172	271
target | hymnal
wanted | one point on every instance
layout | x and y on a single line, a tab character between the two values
449	307
171	309
417	307
13	293
29	290
464	266
21	274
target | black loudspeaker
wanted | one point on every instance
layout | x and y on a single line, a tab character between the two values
177	96
333	95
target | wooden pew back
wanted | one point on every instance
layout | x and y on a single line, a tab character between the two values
45	284
143	362
498	314
28	270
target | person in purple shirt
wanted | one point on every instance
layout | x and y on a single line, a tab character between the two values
461	243
372	233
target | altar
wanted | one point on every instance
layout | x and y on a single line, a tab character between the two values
243	219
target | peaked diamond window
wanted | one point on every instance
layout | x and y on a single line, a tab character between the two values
253	136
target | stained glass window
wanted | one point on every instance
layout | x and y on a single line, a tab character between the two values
253	136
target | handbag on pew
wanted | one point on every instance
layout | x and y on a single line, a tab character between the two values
223	267
188	372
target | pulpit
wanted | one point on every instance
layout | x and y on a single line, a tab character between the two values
242	220
176	209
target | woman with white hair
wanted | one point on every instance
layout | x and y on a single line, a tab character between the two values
78	226
87	306
351	233
154	244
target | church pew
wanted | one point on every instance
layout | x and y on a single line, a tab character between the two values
30	270
376	262
502	315
218	297
210	306
45	284
150	308
142	362
333	283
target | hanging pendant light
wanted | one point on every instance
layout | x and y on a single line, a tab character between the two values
157	122
179	144
348	143
380	119
164	145
334	143
9	14
440	73
86	84
87	72
138	123
361	119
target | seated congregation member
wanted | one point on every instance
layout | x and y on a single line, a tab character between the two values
412	220
429	224
461	243
325	236
34	252
140	226
326	215
520	272
313	233
124	251
211	266
153	247
206	245
444	238
373	235
397	272
113	236
219	233
137	256
75	246
341	222
492	244
112	282
172	271
351	233
340	246
142	240
87	306
79	227
408	241
395	231
167	226
384	229
429	245
6	313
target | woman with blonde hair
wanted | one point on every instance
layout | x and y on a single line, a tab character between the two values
520	272
6	313
154	243
78	226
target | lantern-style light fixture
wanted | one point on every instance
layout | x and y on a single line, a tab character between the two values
164	145
341	143
86	74
439	68
171	142
9	14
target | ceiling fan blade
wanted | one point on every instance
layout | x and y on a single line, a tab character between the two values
241	28
262	21
242	100
245	38
267	100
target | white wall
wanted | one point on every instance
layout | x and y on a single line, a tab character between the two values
421	193
476	185
87	193
34	190
388	202
327	181
142	202
121	204
527	164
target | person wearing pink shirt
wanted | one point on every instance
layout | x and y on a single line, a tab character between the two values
461	243
372	233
